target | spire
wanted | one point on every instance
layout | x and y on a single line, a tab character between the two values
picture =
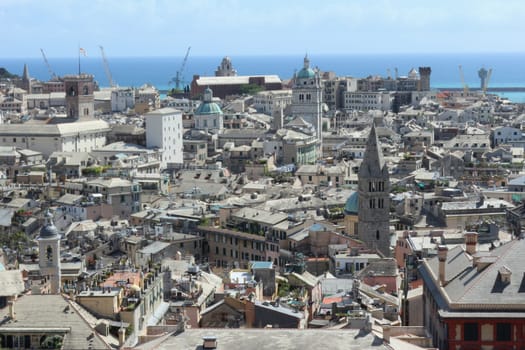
306	62
373	161
25	76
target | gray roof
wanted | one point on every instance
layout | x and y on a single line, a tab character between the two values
270	339
58	130
54	313
154	247
11	283
383	267
469	289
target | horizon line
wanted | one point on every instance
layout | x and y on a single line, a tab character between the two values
36	56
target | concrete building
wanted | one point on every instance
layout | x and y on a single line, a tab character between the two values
374	197
269	102
367	100
122	99
164	131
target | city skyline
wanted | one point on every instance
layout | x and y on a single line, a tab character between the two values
168	28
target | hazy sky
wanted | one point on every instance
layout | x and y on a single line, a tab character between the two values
246	27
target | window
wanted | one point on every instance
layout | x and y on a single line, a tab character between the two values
377	235
503	332
471	331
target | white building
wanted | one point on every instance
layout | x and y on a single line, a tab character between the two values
164	131
506	135
269	101
78	136
307	97
367	100
122	99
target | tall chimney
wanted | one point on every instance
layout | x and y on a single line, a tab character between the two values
11	304
442	257
471	241
121	336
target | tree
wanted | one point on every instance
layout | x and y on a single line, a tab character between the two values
251	89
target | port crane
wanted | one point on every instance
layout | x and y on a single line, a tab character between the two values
106	67
178	76
49	69
462	76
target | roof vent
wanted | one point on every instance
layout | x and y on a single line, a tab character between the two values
504	274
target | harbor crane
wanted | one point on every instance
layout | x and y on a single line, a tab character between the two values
178	76
462	76
49	69
106	67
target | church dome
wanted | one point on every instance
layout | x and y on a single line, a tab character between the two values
49	230
306	73
352	204
207	105
208	108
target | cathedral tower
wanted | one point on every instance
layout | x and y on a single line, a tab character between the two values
374	197
49	253
307	97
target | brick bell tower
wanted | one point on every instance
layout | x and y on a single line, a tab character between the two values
374	198
80	101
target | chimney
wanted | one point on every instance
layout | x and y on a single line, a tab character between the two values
471	241
121	336
386	333
11	304
442	257
249	310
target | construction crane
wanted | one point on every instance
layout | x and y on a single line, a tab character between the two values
465	86
106	67
178	76
51	73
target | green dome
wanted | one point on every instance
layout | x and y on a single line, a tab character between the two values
208	108
352	204
306	73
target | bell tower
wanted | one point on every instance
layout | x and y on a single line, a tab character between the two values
49	253
80	101
373	226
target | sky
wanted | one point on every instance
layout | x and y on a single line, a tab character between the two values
264	27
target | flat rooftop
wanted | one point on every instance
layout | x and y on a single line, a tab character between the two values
271	339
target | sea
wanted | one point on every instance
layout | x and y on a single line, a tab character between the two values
508	69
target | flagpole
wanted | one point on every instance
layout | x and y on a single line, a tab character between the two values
78	59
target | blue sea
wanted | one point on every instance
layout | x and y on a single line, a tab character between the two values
508	70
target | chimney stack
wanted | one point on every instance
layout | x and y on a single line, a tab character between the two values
471	241
11	304
121	336
442	257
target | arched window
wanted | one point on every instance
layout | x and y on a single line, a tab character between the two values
377	235
72	91
86	90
